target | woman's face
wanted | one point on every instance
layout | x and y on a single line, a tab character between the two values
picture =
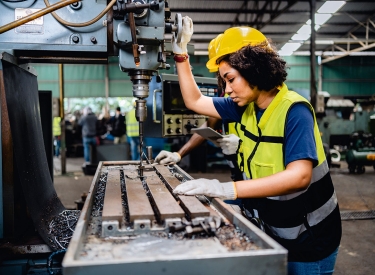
236	86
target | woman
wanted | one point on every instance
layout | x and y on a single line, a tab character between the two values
289	188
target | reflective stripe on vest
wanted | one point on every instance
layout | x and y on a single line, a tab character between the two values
132	126
263	151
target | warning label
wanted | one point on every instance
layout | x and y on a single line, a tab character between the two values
33	26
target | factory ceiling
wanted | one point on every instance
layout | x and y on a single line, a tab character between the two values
350	30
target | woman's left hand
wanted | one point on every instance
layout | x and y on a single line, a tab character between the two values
229	144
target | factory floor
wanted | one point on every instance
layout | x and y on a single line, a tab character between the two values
356	196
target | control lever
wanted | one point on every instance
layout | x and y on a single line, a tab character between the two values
190	126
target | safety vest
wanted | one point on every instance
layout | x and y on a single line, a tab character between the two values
300	221
56	128
132	126
231	128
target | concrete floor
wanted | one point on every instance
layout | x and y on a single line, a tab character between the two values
355	193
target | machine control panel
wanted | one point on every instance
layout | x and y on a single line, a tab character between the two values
181	124
166	107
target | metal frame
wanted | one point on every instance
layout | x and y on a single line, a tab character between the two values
212	259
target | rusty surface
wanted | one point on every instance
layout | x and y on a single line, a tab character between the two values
112	208
166	205
138	203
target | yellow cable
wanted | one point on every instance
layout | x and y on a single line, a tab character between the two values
84	24
36	15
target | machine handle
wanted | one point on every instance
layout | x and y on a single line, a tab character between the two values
154	106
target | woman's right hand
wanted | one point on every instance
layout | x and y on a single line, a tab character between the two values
165	157
187	32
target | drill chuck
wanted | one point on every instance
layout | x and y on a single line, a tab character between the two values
140	110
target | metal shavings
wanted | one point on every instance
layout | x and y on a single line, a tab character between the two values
124	196
234	239
61	228
132	178
179	177
172	236
97	206
176	174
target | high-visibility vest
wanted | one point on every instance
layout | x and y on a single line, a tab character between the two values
294	220
231	128
132	126
56	127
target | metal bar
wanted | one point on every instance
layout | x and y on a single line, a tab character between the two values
112	209
166	205
191	204
193	207
166	174
348	53
138	203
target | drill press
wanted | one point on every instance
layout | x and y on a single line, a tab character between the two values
141	48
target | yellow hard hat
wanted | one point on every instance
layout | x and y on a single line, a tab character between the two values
212	49
232	40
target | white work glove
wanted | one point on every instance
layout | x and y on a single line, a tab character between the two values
211	188
165	157
229	144
187	32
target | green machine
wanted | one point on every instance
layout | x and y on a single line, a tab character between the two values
361	153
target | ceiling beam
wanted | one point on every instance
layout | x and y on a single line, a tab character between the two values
255	11
360	49
275	15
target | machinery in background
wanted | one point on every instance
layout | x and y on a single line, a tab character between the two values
344	126
166	110
361	152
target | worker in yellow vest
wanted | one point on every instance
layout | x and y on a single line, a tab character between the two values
56	130
288	186
132	130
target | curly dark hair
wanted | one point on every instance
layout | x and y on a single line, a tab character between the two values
260	65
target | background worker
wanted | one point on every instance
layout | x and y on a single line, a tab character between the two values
132	131
118	127
88	121
56	129
289	188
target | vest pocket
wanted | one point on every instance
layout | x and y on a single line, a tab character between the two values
263	169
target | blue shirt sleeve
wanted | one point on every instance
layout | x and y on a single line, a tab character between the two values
299	136
228	110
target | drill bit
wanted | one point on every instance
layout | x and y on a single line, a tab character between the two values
141	149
